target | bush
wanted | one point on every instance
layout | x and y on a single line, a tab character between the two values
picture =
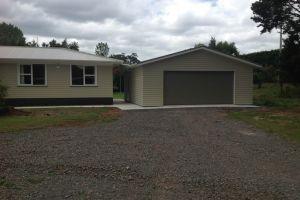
270	95
4	109
3	92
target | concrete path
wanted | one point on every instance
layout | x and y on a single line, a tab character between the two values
119	103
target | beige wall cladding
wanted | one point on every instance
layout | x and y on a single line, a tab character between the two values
152	82
58	86
136	86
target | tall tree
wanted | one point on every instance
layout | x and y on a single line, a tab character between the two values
119	71
11	35
64	43
212	43
33	43
102	49
73	45
54	43
222	46
284	15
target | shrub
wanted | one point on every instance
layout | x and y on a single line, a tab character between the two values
3	92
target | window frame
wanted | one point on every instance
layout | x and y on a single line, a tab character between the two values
31	75
84	75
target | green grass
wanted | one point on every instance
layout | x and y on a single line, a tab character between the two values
35	180
118	95
278	114
270	95
281	121
6	183
40	118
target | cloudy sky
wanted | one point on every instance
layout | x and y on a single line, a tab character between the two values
149	28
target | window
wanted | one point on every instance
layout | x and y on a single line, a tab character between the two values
83	75
32	74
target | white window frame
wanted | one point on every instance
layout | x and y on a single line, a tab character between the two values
31	75
84	75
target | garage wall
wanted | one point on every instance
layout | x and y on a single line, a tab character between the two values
152	83
136	86
58	83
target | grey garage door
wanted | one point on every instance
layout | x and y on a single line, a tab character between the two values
198	87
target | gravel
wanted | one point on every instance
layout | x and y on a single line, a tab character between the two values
150	154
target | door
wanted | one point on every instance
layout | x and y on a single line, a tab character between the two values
198	87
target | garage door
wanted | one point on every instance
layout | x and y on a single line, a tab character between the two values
198	87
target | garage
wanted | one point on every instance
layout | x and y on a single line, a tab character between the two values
198	87
196	76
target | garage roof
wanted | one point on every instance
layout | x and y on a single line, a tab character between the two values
11	53
193	50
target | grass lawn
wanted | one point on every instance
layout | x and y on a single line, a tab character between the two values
40	118
282	121
118	95
277	115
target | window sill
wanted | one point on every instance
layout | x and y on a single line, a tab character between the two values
83	85
32	85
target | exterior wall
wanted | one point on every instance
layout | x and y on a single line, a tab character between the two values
195	61
58	86
136	86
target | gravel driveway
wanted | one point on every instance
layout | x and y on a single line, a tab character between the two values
150	154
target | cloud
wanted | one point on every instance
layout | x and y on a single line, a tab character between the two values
148	27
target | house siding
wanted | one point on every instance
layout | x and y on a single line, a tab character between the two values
152	79
58	83
136	86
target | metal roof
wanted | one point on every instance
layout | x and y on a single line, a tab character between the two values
15	53
193	50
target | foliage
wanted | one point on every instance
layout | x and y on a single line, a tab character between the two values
33	43
102	49
270	62
3	92
270	14
40	118
270	95
11	35
128	59
118	95
280	114
118	72
74	46
222	46
53	43
285	15
282	121
290	59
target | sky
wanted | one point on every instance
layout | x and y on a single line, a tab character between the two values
149	28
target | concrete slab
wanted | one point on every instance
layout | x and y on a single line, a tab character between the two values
129	106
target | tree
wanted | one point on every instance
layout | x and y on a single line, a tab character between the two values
33	43
198	45
74	45
119	71
222	46
54	43
212	43
44	44
64	43
270	62
283	15
11	35
3	92
102	49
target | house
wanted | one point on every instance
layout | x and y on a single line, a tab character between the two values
55	76
189	77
